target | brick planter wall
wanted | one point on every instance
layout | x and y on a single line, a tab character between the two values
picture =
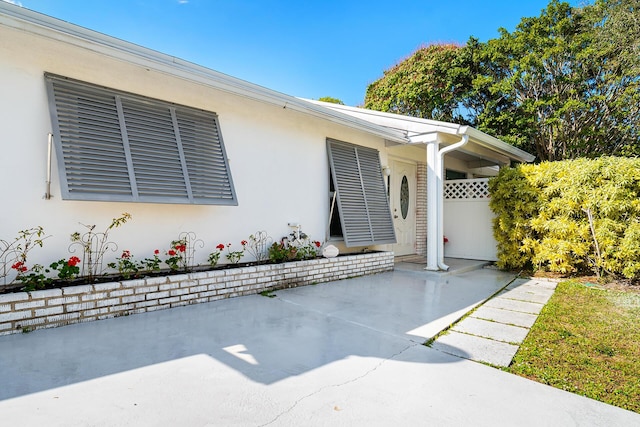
24	311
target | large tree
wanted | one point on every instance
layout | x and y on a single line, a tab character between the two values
562	85
430	84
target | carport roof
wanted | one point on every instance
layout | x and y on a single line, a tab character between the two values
420	130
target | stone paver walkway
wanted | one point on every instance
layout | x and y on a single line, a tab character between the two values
494	331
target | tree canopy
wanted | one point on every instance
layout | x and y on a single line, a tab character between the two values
562	85
331	100
429	84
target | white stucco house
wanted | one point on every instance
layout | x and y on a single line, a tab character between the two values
183	148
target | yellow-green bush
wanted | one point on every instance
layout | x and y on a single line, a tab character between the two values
543	216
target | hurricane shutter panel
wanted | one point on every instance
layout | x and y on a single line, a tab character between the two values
154	151
204	153
117	146
89	143
361	195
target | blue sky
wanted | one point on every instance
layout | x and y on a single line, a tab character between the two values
303	48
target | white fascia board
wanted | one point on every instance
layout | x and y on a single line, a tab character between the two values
408	124
26	20
495	144
417	126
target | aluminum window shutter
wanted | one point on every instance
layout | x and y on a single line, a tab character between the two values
205	157
117	146
361	194
89	144
155	154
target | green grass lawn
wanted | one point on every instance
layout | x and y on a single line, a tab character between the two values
586	341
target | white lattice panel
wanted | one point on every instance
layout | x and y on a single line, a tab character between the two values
466	188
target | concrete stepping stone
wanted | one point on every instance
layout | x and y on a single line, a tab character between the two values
524	295
508	317
514	305
493	330
497	353
540	283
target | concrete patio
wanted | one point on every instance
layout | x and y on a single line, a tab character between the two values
339	353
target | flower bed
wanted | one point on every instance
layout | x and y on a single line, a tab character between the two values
26	311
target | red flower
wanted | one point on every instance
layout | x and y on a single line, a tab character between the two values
445	240
73	261
126	254
181	248
171	252
20	267
220	246
243	243
318	244
156	252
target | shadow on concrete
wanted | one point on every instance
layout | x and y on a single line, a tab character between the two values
264	339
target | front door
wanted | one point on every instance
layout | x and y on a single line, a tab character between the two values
402	192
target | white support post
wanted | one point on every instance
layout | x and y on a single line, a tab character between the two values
433	165
440	199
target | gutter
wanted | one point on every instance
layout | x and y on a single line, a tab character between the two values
411	125
493	143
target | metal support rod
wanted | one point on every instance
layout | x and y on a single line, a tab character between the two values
47	194
333	204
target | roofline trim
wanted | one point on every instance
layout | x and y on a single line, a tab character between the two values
29	21
475	135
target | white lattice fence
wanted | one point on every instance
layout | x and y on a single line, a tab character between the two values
466	188
468	220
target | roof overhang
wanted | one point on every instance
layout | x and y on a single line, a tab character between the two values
38	24
424	131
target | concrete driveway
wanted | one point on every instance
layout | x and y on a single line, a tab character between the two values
340	353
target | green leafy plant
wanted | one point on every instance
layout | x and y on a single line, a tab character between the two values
282	252
305	247
214	256
125	264
268	294
151	264
308	249
32	279
235	256
177	255
67	269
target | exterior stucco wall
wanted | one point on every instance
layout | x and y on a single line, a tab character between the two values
277	157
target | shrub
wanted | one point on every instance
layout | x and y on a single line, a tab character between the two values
569	216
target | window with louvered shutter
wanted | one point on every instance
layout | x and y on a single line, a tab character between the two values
362	201
116	146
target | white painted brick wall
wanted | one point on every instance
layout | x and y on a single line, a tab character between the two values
57	307
49	311
421	209
63	300
29	304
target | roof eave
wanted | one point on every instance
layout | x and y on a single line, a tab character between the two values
36	23
475	136
495	144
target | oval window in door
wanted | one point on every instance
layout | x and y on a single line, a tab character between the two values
404	197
